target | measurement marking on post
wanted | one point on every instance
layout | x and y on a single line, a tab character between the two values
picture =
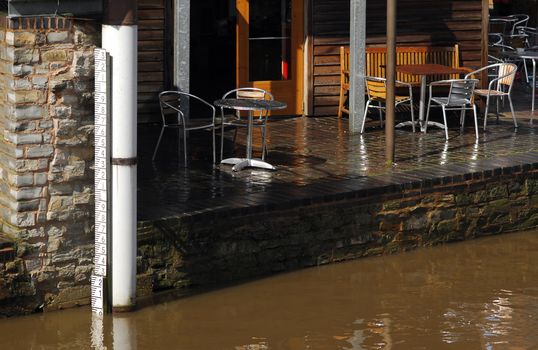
101	166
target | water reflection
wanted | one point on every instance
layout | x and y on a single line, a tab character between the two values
481	294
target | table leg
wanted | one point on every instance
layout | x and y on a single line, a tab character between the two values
533	87
422	104
242	163
249	136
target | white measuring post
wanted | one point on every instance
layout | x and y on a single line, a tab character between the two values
102	179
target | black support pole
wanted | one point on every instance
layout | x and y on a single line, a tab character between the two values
391	77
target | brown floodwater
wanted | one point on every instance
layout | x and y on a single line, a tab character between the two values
480	294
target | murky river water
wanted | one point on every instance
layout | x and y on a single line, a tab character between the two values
481	294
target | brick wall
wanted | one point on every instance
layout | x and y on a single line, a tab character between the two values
217	248
46	154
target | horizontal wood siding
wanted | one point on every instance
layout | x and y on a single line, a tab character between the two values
152	57
420	22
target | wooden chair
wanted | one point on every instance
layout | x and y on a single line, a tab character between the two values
377	93
344	80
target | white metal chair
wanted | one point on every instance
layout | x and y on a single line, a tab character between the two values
237	120
173	109
377	93
460	97
498	87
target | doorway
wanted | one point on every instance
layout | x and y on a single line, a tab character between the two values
213	48
270	49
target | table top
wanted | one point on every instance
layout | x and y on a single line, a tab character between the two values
245	104
428	69
527	54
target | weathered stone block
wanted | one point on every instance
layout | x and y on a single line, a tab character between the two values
22	55
58	203
58	37
29	112
21	70
21	180
26	219
40	82
20	39
40	178
31	96
22	139
19	84
41	151
55	55
26	193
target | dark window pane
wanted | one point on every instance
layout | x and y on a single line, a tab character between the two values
269	39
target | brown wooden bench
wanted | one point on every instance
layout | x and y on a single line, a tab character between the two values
376	58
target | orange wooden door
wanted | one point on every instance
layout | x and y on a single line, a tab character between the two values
270	40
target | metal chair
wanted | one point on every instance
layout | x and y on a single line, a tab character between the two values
236	120
520	20
460	97
377	92
173	112
498	87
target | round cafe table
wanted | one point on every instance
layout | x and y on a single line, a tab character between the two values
250	105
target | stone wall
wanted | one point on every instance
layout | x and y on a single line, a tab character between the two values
46	154
212	248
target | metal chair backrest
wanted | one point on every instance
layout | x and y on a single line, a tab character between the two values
461	90
178	103
376	87
498	25
494	39
515	41
520	20
252	94
170	103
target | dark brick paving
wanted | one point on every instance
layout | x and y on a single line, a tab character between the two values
317	161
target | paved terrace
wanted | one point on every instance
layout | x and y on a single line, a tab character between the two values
317	160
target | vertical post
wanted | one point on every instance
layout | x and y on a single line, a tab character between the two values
120	40
484	42
391	77
357	58
182	38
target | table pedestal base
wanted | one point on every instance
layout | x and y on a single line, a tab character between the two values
242	163
422	127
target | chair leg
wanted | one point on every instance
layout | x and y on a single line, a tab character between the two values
475	121
364	117
526	71
221	140
412	114
444	118
380	114
185	145
214	146
264	147
512	110
497	111
462	118
341	102
158	143
486	112
427	117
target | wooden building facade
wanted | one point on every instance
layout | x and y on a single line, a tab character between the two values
322	28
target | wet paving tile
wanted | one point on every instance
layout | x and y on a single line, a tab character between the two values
318	157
